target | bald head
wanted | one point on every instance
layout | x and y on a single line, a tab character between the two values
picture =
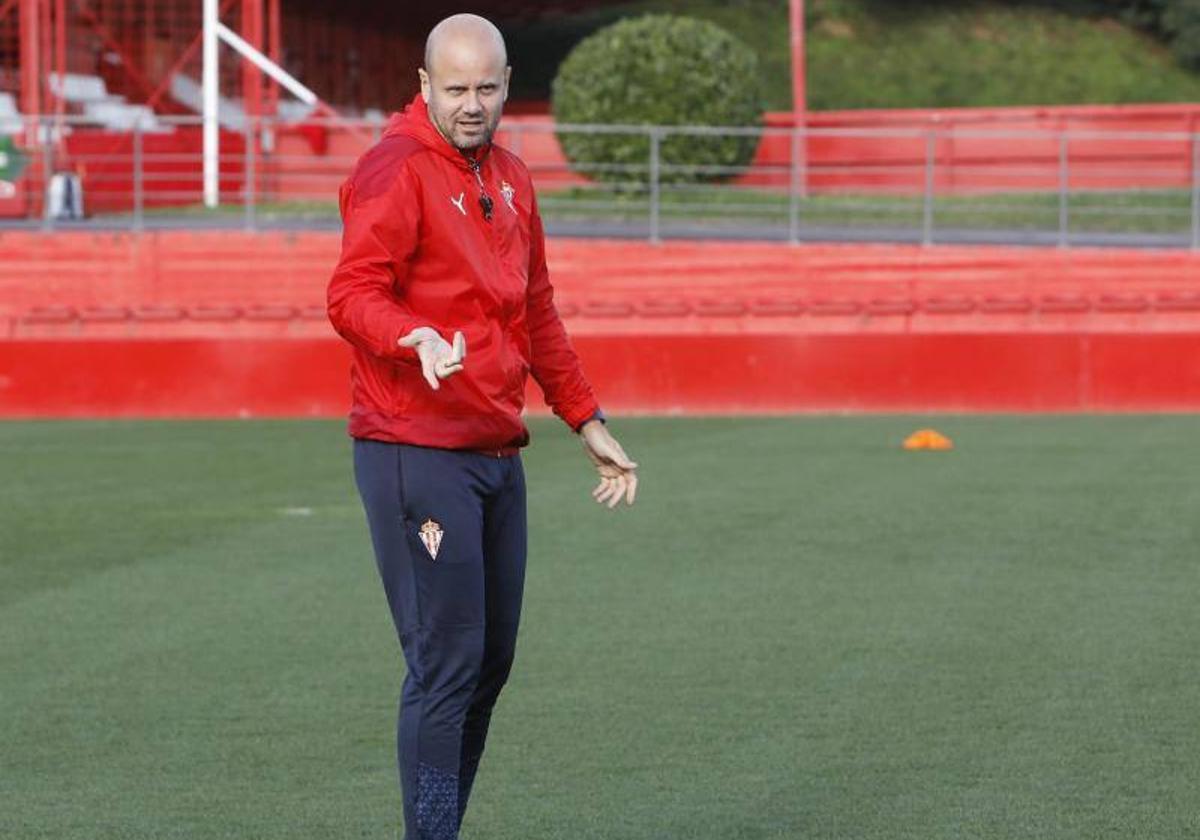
464	32
465	79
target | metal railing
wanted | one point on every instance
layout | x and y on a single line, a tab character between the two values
923	185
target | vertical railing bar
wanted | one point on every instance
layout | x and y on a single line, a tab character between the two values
1064	187
45	130
138	184
927	214
794	189
1195	192
655	163
250	193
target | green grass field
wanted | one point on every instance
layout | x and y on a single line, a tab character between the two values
800	631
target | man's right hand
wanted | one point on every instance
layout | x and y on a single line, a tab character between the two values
439	359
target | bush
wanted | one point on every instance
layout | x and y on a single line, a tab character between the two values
658	70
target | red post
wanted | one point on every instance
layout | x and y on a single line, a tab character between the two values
799	101
274	50
31	60
252	78
60	53
799	85
46	54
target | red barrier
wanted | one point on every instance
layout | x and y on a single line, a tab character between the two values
752	373
188	269
229	324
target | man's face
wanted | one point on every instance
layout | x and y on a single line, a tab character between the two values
465	87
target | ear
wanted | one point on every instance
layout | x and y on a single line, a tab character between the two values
425	86
507	77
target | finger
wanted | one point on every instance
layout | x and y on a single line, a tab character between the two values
619	491
459	351
611	488
603	491
607	492
631	492
446	369
411	340
427	370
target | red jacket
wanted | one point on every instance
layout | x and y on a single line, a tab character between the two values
417	251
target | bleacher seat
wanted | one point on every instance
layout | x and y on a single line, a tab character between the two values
158	313
949	305
78	88
776	307
719	308
121	116
835	307
605	309
187	91
213	312
1122	303
1181	302
103	314
293	110
1064	303
890	306
90	95
269	312
1010	304
659	308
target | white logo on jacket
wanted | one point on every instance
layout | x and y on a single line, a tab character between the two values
508	193
458	202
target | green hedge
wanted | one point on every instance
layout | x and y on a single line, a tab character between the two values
658	70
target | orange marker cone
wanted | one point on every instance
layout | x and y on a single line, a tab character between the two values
928	439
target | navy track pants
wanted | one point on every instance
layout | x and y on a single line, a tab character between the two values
448	529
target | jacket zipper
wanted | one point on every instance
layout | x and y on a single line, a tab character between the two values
477	170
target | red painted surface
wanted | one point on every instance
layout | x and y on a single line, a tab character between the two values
235	269
1056	372
223	324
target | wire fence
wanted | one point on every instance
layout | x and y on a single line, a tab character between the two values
926	185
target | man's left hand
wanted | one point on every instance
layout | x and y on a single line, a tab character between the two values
618	474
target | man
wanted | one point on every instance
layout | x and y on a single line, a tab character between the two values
442	289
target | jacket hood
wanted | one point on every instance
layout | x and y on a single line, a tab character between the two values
414	122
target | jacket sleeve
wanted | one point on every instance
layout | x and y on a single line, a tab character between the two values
380	207
553	362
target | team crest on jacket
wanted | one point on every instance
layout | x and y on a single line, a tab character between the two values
431	535
508	193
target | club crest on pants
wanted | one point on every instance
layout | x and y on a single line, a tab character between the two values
431	535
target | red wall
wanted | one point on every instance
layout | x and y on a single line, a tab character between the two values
658	374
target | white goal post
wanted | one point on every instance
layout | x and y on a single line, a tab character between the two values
214	33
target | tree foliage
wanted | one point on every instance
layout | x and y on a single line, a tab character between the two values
658	70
